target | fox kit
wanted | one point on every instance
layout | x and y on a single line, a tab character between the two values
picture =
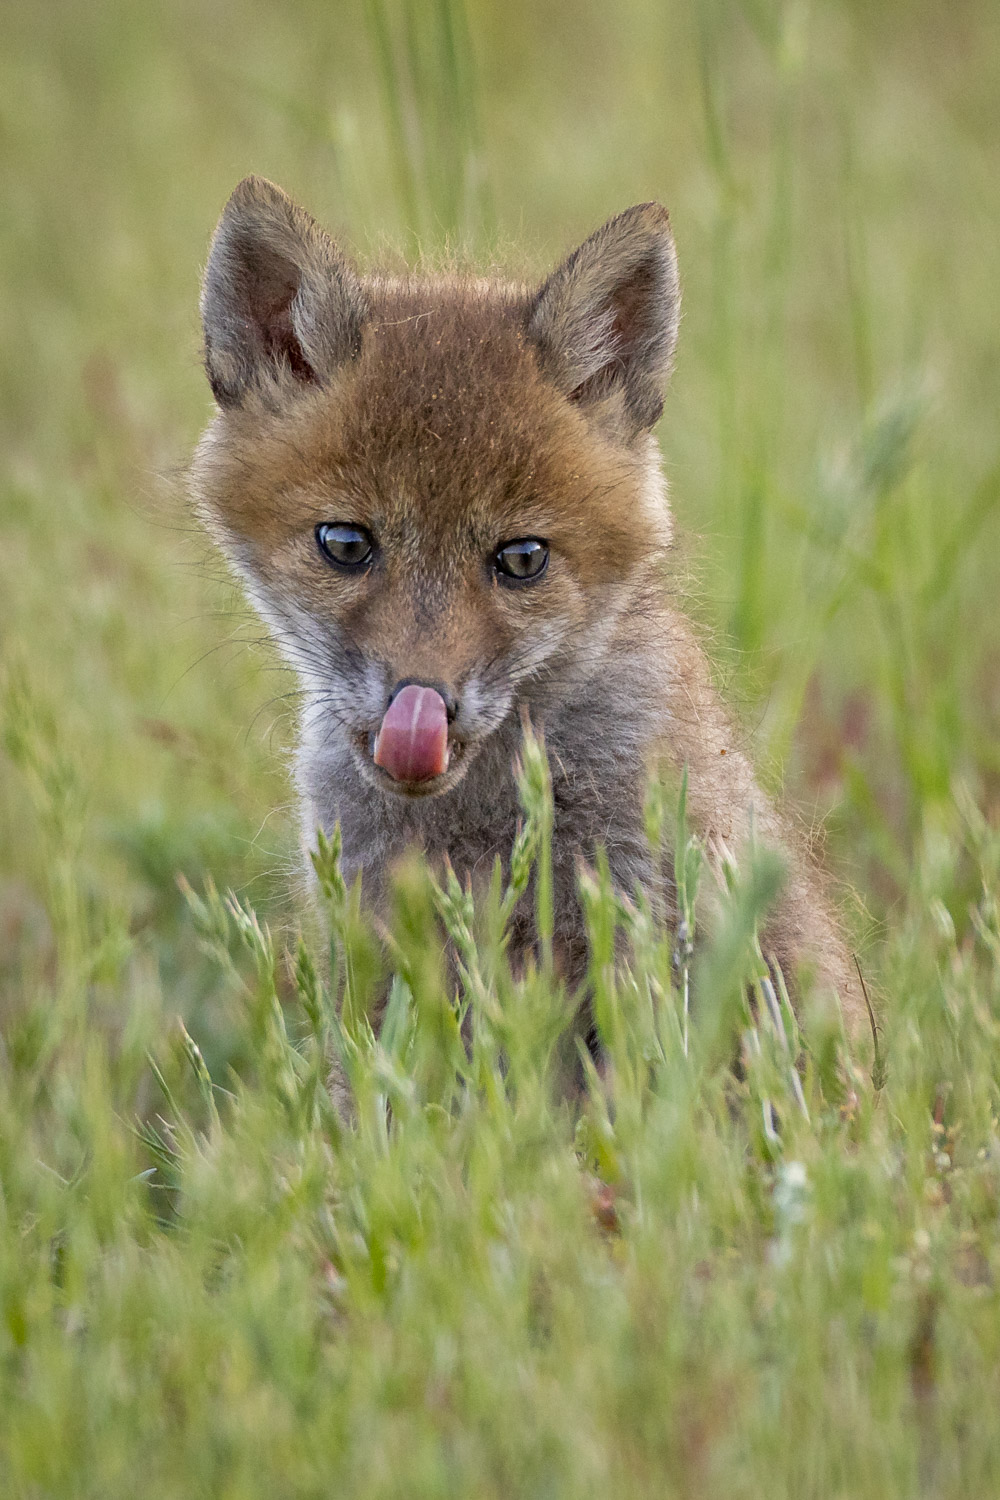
444	496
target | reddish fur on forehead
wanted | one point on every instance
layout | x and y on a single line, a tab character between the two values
444	424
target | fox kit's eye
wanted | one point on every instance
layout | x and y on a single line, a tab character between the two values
347	546
522	559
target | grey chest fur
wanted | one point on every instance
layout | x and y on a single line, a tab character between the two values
598	781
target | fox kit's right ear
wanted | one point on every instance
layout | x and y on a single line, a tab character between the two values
279	303
605	322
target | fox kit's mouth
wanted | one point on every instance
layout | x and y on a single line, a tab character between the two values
413	752
431	786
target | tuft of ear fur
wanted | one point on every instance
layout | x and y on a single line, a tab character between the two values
605	322
279	302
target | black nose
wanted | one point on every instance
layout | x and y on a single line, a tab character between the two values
450	701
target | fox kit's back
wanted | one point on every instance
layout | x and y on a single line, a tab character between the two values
444	496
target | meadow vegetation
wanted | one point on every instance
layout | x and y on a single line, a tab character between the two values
685	1279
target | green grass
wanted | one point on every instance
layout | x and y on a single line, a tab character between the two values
683	1282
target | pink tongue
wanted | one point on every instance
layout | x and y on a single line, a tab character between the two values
412	744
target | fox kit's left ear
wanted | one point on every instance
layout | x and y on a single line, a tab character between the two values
605	322
280	305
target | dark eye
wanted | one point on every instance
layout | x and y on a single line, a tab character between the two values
522	559
347	546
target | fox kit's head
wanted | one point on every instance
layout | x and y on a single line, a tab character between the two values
440	492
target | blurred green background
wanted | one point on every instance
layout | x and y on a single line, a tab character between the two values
831	436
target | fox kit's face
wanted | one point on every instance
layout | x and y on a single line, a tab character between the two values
439	492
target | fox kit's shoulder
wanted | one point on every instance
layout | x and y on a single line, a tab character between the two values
444	495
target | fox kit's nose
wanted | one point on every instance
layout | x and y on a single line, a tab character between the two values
444	693
412	743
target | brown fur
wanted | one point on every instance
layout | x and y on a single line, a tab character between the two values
448	416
